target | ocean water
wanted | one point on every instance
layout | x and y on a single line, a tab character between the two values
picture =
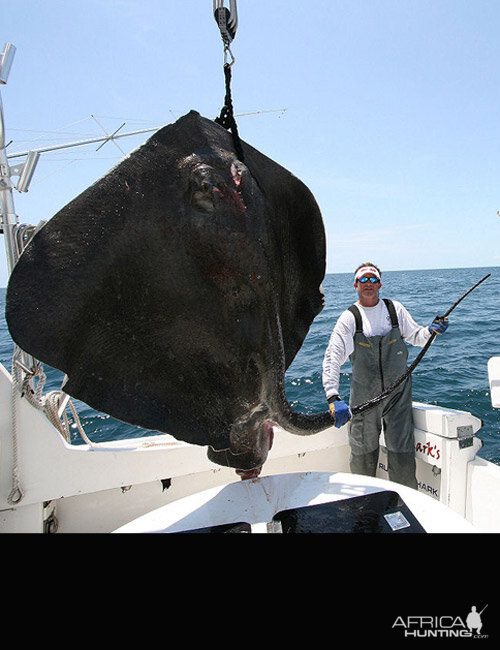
453	373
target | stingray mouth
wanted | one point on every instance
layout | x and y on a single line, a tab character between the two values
250	442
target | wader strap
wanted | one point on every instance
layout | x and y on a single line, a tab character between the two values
392	312
357	316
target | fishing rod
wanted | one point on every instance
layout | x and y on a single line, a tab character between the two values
360	408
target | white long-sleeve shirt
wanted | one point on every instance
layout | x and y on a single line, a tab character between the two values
376	321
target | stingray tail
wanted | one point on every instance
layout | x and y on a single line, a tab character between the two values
304	424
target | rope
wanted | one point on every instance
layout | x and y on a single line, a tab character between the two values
50	404
16	494
226	117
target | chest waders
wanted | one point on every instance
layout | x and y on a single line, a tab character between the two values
378	361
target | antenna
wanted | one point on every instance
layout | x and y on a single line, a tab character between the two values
109	137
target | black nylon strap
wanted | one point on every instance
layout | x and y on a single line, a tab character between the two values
357	316
392	312
226	117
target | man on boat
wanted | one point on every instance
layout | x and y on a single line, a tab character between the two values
372	333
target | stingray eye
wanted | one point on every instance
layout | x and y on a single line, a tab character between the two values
203	189
203	198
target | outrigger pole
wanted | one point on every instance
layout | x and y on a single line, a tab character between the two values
80	143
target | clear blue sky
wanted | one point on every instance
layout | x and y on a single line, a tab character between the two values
392	108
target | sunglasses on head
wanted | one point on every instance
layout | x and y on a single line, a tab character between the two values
365	279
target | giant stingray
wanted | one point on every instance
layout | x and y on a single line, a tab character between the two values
176	290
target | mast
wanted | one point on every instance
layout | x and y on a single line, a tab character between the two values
8	214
